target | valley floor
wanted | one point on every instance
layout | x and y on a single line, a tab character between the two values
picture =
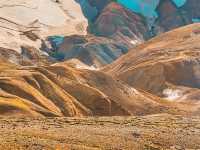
118	133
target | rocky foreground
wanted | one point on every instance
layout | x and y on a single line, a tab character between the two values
131	133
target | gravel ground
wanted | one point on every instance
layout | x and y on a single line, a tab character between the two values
113	133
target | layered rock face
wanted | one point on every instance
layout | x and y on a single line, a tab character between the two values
167	65
28	22
65	14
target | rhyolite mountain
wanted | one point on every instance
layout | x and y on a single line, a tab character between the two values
99	74
64	58
130	22
99	31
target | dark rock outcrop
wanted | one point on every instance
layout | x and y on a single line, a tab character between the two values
114	32
99	5
117	22
192	7
92	50
170	16
92	8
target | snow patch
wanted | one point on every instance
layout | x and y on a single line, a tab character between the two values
131	90
85	67
135	91
172	94
134	42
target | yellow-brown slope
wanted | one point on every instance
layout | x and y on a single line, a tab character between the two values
61	90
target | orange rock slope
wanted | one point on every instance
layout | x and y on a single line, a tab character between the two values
60	90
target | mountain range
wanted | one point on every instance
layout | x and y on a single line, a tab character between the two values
64	57
99	74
